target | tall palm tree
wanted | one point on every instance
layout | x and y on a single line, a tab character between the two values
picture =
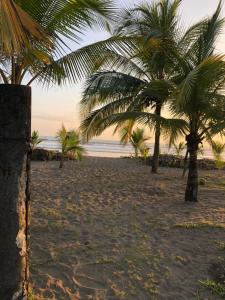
140	80
197	101
200	100
33	47
137	139
70	144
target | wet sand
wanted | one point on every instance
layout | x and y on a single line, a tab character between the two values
108	229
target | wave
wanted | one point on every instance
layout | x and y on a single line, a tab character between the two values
108	148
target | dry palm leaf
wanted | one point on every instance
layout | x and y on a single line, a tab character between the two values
17	29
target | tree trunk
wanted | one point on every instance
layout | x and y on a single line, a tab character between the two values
136	152
61	164
155	158
185	164
15	130
191	194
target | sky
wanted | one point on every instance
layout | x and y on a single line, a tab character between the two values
57	105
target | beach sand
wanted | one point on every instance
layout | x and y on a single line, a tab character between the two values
107	228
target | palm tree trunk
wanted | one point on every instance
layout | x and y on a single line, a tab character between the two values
136	152
61	164
15	131
191	194
185	164
155	158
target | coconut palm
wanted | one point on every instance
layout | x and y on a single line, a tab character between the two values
70	144
197	101
140	80
51	62
17	28
200	100
35	139
179	148
137	139
218	149
34	39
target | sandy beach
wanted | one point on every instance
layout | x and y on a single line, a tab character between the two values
106	228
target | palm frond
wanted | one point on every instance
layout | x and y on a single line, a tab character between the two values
18	29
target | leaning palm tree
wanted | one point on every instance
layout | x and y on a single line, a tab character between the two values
33	47
70	144
137	139
140	80
35	139
218	149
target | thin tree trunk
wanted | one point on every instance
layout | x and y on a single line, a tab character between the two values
136	152
155	158
61	164
191	194
15	130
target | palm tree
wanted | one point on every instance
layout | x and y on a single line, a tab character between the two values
218	149
17	28
179	148
32	48
70	144
137	139
35	139
200	100
197	101
52	61
141	79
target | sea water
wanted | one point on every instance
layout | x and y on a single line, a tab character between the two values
109	148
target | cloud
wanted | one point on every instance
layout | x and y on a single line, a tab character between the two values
55	118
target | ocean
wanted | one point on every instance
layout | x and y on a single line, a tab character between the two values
108	148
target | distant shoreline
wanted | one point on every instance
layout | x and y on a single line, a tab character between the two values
165	160
110	148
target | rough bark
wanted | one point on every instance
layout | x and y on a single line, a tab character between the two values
191	194
155	158
185	164
15	127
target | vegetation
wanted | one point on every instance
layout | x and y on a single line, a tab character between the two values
194	90
140	79
17	29
149	63
35	140
137	139
70	144
47	59
218	149
179	148
34	47
215	287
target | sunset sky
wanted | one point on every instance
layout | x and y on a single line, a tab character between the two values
59	105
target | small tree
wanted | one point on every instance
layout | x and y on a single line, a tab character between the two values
137	139
70	144
218	149
179	148
35	139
